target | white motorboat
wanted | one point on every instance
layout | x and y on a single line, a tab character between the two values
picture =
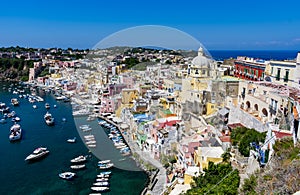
71	140
34	106
67	175
105	166
47	105
78	159
101	179
103	175
99	189
103	183
15	132
103	161
37	153
49	119
14	101
77	166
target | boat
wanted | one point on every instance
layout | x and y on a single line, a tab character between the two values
103	175
71	140
92	145
34	106
15	132
103	161
16	119
47	105
2	121
14	101
101	179
49	119
99	189
37	153
78	159
103	183
67	175
105	166
106	172
77	166
90	142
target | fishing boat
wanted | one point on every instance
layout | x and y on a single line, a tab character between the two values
37	154
71	140
77	166
49	119
78	159
67	175
99	189
15	132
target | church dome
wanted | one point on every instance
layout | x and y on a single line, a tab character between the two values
201	60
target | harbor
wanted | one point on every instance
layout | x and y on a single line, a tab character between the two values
42	175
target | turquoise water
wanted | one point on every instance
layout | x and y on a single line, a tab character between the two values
41	177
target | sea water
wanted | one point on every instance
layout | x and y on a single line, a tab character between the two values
41	177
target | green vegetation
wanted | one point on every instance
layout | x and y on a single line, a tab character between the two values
218	179
15	68
243	136
285	149
249	185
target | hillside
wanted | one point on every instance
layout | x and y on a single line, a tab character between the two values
281	175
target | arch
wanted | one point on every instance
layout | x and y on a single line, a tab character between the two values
255	107
264	111
248	105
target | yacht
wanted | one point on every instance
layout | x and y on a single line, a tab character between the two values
49	119
37	154
77	166
15	132
78	159
99	189
71	140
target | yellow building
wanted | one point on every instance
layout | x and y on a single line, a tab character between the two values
192	171
205	154
128	96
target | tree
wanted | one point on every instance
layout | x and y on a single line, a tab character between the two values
217	179
249	185
243	136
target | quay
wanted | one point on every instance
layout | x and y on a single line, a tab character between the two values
157	183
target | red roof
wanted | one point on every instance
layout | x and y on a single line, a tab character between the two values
280	135
235	125
225	138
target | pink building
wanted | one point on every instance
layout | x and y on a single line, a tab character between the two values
107	105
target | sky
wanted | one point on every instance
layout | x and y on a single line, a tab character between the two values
218	25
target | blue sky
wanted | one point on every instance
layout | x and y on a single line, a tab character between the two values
224	25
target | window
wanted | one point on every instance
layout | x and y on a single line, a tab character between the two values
286	78
278	74
272	70
196	71
203	71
